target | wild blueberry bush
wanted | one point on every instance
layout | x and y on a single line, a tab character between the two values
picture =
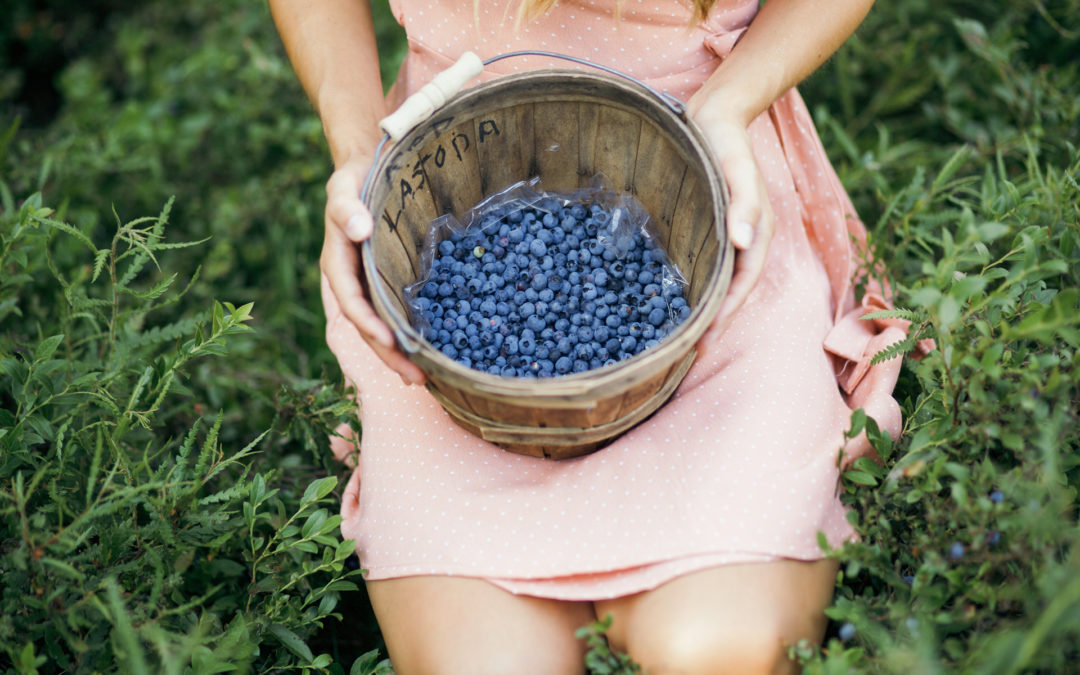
164	509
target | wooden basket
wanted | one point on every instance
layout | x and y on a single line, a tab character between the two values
564	126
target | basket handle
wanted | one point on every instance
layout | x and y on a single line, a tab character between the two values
431	96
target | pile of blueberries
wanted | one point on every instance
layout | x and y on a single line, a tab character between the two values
546	288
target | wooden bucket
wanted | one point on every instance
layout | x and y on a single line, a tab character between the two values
564	126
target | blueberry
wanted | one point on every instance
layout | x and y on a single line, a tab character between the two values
538	248
527	345
847	631
997	496
956	551
657	317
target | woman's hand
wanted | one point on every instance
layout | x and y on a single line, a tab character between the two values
750	220
348	223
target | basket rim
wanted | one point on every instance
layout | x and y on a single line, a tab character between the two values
666	352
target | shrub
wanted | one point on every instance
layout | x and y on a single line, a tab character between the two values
131	534
959	144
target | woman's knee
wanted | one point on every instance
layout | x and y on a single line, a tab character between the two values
503	659
702	648
732	619
452	625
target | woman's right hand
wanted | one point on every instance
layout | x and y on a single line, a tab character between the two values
348	222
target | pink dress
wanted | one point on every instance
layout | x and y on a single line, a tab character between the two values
740	466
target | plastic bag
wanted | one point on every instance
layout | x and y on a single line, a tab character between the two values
584	267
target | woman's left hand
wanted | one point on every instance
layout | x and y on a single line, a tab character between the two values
750	222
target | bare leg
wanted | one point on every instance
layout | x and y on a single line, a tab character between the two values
730	619
456	625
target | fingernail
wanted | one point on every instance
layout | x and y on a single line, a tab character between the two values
358	228
742	234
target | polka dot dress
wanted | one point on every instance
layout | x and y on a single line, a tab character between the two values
740	466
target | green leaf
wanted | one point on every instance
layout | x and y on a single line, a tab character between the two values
313	524
292	642
369	664
318	489
47	347
860	477
130	653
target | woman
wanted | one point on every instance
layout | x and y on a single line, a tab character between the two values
697	531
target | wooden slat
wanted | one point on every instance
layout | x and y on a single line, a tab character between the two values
704	264
692	220
504	145
408	208
555	145
453	172
658	173
588	116
615	151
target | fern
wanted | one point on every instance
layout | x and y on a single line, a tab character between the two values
141	242
155	292
209	449
895	349
160	334
897	313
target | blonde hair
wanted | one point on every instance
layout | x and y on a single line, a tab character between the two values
529	10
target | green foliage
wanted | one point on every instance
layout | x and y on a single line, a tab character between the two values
154	493
600	659
131	535
968	552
